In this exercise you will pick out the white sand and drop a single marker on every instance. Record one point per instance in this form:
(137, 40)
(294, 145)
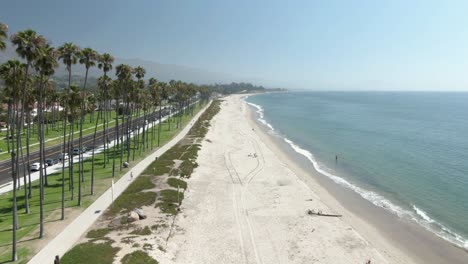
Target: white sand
(245, 209)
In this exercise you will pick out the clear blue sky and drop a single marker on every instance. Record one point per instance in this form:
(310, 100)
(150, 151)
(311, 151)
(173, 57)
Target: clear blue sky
(370, 45)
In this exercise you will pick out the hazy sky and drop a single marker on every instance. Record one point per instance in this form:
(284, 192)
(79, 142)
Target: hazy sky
(370, 45)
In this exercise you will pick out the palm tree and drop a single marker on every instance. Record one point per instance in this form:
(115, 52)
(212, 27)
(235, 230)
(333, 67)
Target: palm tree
(88, 57)
(28, 44)
(171, 91)
(105, 63)
(104, 82)
(68, 53)
(12, 73)
(164, 96)
(45, 64)
(3, 35)
(139, 74)
(147, 106)
(155, 90)
(124, 86)
(75, 102)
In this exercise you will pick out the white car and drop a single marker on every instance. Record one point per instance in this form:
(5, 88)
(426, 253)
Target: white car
(63, 156)
(36, 166)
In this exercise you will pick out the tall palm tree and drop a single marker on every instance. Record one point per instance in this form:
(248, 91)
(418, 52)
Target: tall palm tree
(146, 104)
(12, 73)
(125, 84)
(45, 64)
(68, 53)
(88, 58)
(75, 102)
(139, 73)
(3, 35)
(104, 82)
(171, 89)
(105, 64)
(155, 90)
(28, 44)
(164, 96)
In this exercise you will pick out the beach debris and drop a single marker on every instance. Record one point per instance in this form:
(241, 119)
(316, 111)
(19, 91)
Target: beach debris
(309, 200)
(319, 213)
(132, 217)
(141, 214)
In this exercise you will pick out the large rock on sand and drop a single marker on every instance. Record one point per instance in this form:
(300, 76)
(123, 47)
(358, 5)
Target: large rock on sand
(132, 217)
(140, 213)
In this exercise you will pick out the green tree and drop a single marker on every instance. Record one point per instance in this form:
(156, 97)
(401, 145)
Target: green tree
(136, 98)
(3, 35)
(105, 64)
(45, 64)
(88, 58)
(68, 53)
(28, 44)
(12, 72)
(122, 90)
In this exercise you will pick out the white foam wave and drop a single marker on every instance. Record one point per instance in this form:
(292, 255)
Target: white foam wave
(423, 214)
(420, 217)
(261, 115)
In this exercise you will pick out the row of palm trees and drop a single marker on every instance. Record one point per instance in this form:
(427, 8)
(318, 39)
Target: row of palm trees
(29, 82)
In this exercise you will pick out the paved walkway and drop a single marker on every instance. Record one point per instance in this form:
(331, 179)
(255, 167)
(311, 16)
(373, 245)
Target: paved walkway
(72, 233)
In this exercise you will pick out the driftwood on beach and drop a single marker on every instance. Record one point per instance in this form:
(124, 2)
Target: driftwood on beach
(319, 213)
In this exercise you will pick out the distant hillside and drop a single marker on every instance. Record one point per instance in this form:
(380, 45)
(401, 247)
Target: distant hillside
(162, 72)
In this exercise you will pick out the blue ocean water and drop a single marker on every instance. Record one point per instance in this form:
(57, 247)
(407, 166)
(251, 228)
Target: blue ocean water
(406, 152)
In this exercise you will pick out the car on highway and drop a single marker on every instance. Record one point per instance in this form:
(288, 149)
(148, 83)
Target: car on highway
(51, 162)
(36, 166)
(63, 156)
(77, 151)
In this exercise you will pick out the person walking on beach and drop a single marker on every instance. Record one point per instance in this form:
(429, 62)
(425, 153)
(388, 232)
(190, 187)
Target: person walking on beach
(336, 158)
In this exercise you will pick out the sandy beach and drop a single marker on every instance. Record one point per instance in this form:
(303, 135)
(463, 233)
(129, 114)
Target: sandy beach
(246, 204)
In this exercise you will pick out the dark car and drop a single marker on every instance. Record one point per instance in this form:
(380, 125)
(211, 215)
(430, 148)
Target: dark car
(51, 162)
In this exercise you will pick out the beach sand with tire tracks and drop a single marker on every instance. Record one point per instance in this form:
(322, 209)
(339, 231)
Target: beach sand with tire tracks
(245, 204)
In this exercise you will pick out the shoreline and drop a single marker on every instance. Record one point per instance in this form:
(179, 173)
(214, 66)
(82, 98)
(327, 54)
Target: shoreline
(386, 231)
(245, 204)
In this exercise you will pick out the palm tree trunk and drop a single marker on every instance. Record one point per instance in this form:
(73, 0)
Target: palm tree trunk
(80, 158)
(136, 137)
(160, 122)
(70, 150)
(9, 121)
(14, 168)
(64, 144)
(26, 196)
(40, 126)
(94, 147)
(116, 139)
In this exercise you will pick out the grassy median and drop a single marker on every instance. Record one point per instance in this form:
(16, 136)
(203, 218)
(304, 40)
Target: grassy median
(27, 234)
(140, 193)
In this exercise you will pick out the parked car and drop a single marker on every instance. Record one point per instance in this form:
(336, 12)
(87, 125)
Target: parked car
(36, 166)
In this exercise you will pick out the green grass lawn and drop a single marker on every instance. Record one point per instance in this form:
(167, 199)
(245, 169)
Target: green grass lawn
(28, 223)
(137, 195)
(55, 136)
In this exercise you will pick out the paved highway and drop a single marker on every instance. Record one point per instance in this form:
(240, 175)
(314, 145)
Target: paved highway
(54, 151)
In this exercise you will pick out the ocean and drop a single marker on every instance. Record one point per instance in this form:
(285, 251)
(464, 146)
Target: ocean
(406, 152)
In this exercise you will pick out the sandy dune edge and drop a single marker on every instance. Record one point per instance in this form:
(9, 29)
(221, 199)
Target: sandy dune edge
(245, 205)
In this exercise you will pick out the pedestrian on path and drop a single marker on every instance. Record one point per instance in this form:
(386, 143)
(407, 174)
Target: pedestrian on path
(131, 175)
